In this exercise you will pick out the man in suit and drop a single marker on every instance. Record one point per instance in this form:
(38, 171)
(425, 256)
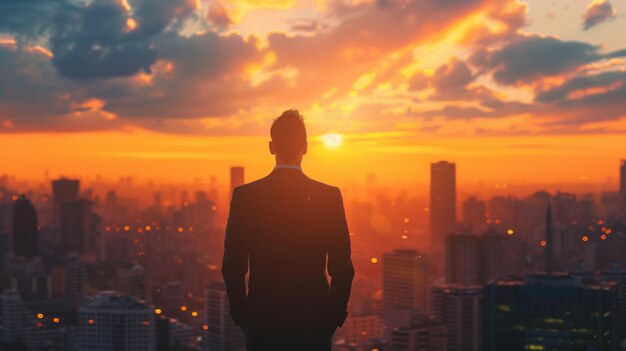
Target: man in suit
(287, 229)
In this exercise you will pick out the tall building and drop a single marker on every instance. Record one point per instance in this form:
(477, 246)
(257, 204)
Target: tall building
(460, 308)
(25, 229)
(619, 276)
(405, 280)
(65, 190)
(463, 259)
(114, 322)
(29, 278)
(236, 177)
(474, 212)
(75, 224)
(474, 259)
(74, 278)
(222, 334)
(423, 334)
(13, 316)
(549, 312)
(442, 203)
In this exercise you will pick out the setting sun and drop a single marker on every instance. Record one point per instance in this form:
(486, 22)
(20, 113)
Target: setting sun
(332, 139)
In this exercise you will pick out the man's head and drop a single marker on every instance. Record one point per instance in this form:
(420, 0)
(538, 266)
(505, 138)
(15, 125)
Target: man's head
(288, 137)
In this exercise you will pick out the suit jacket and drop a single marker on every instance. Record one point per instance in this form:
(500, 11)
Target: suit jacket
(287, 229)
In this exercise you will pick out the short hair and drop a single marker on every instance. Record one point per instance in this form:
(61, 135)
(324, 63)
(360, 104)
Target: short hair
(288, 134)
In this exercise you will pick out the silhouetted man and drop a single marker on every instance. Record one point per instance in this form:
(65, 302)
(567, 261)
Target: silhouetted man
(287, 228)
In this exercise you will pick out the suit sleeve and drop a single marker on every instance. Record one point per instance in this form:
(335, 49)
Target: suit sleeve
(340, 266)
(235, 263)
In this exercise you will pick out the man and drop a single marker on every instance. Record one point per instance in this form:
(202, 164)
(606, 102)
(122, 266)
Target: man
(288, 229)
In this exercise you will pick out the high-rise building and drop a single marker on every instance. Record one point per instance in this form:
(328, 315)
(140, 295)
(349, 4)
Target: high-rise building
(236, 177)
(474, 212)
(549, 312)
(222, 333)
(65, 190)
(74, 278)
(474, 259)
(423, 334)
(442, 203)
(619, 323)
(494, 260)
(111, 321)
(30, 279)
(13, 316)
(463, 259)
(460, 308)
(25, 229)
(405, 280)
(361, 330)
(74, 224)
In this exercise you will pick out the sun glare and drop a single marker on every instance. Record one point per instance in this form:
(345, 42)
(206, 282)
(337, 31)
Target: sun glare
(332, 139)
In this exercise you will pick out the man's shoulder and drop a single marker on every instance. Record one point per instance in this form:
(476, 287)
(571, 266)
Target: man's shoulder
(331, 189)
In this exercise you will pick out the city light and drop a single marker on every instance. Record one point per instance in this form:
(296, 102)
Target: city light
(374, 260)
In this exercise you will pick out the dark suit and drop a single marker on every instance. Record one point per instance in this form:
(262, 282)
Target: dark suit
(285, 226)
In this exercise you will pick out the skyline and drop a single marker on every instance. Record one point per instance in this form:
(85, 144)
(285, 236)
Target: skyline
(197, 87)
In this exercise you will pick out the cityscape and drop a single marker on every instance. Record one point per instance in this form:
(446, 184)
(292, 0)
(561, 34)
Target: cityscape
(88, 266)
(475, 148)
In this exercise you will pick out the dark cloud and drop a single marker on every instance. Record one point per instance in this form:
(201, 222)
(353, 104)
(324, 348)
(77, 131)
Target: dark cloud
(530, 58)
(599, 11)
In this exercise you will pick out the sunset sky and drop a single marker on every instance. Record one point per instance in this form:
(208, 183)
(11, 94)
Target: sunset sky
(512, 91)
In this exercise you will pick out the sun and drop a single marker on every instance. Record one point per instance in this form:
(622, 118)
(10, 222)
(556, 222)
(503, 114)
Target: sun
(332, 139)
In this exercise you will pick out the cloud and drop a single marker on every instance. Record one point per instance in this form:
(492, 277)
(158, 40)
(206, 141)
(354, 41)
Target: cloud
(598, 11)
(529, 58)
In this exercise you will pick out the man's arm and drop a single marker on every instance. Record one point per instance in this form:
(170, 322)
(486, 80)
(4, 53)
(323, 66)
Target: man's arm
(340, 266)
(235, 263)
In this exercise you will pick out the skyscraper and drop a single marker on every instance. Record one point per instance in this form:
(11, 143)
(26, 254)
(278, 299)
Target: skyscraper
(13, 316)
(423, 334)
(460, 308)
(63, 190)
(463, 259)
(74, 278)
(25, 229)
(74, 224)
(549, 312)
(474, 214)
(405, 280)
(442, 203)
(236, 177)
(111, 321)
(222, 334)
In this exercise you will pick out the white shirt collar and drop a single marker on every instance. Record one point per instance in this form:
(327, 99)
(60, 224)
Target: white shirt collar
(289, 166)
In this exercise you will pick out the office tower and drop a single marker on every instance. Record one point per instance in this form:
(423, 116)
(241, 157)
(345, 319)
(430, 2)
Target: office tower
(493, 260)
(405, 280)
(45, 336)
(442, 203)
(362, 330)
(548, 312)
(25, 229)
(460, 308)
(614, 274)
(222, 334)
(474, 215)
(463, 259)
(474, 259)
(30, 279)
(423, 334)
(75, 225)
(65, 190)
(131, 280)
(74, 278)
(115, 322)
(236, 177)
(13, 316)
(549, 242)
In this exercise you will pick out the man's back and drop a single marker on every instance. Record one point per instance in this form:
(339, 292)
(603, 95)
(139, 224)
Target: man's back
(286, 224)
